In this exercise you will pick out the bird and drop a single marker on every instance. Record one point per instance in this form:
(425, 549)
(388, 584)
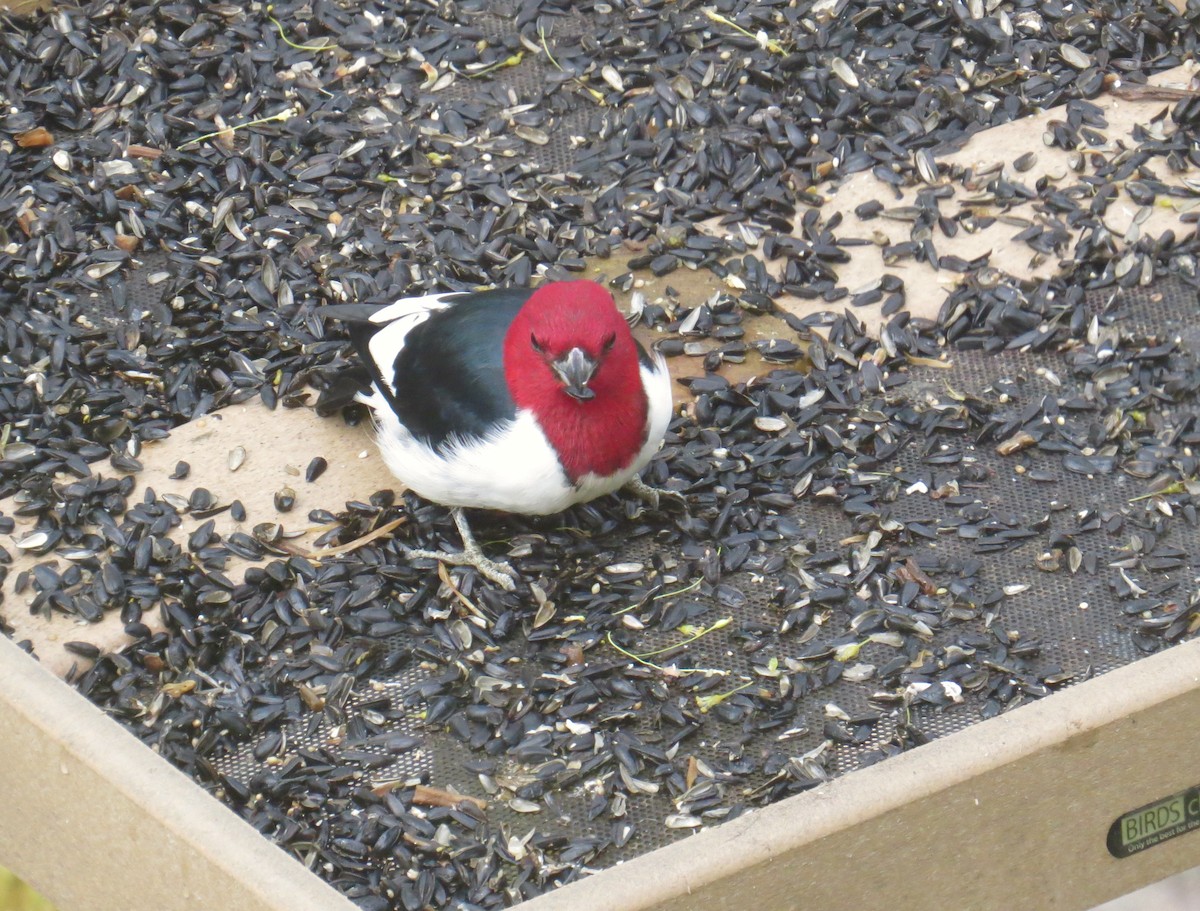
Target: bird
(519, 400)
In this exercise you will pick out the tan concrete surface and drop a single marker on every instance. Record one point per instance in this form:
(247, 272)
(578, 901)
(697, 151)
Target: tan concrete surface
(927, 288)
(278, 444)
(22, 7)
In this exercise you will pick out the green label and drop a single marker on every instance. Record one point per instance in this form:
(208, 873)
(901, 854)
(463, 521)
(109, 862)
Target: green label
(1156, 822)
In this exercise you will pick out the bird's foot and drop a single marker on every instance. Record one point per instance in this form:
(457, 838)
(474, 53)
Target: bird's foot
(653, 496)
(471, 555)
(498, 571)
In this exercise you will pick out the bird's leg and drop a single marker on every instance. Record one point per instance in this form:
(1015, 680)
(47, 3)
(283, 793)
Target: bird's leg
(652, 496)
(499, 572)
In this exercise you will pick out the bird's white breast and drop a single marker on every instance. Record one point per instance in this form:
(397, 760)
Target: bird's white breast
(513, 468)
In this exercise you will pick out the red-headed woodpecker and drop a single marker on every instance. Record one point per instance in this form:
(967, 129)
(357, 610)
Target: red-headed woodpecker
(516, 400)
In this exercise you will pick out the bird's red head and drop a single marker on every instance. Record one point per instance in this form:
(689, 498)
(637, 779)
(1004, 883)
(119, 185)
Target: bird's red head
(570, 358)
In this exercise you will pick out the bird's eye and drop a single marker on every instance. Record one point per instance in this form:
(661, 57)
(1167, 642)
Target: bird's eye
(609, 342)
(537, 346)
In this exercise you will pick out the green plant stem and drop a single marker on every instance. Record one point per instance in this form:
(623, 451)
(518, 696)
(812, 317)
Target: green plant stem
(282, 115)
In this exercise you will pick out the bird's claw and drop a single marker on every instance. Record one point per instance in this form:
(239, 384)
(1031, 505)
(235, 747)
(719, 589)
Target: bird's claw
(472, 555)
(496, 570)
(499, 572)
(653, 496)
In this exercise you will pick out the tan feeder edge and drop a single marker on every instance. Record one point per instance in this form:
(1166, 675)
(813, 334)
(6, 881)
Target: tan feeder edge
(1011, 813)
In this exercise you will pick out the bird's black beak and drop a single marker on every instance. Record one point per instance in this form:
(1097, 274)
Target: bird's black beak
(575, 369)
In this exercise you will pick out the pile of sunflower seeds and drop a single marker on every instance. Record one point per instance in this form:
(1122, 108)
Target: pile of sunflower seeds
(886, 539)
(878, 550)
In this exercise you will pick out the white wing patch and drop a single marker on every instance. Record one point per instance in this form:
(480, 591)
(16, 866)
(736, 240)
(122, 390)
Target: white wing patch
(398, 320)
(657, 382)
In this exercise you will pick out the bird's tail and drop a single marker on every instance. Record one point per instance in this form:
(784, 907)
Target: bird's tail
(351, 385)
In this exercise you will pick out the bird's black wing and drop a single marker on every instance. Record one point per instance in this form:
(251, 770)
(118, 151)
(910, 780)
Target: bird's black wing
(448, 374)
